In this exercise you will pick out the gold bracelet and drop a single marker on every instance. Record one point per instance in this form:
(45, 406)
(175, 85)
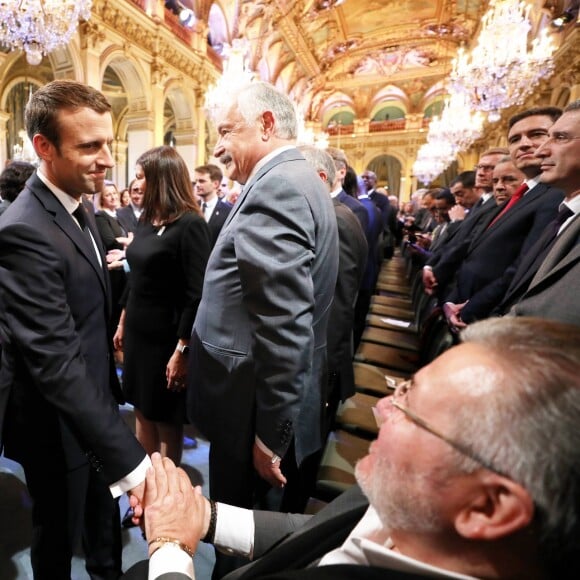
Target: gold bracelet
(165, 540)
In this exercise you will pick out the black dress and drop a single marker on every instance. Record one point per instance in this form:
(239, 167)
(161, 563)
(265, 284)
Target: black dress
(167, 268)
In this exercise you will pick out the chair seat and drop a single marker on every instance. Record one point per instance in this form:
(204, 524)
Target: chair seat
(392, 338)
(391, 301)
(393, 311)
(388, 357)
(336, 472)
(391, 323)
(356, 415)
(369, 378)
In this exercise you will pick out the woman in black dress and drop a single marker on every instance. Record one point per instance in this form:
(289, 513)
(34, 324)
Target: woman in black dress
(167, 260)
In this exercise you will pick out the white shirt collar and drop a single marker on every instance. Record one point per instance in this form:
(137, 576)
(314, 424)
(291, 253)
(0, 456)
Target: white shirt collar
(68, 201)
(369, 544)
(267, 158)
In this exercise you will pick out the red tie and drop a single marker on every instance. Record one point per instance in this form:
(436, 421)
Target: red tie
(517, 195)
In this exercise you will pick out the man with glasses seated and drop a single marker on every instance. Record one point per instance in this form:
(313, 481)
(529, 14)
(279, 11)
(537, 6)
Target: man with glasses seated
(474, 474)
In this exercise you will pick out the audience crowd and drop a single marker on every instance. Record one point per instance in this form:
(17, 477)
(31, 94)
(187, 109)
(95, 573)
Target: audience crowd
(235, 298)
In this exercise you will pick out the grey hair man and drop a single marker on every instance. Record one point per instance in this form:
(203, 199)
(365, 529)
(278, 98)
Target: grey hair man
(258, 347)
(446, 495)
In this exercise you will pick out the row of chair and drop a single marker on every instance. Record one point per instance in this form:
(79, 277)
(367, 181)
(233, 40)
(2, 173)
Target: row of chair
(405, 330)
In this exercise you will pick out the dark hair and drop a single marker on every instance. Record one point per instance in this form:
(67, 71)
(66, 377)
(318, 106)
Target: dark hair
(168, 190)
(553, 112)
(13, 178)
(446, 195)
(44, 106)
(466, 178)
(215, 173)
(350, 183)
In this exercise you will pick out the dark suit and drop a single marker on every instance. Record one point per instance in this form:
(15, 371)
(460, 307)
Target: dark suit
(286, 544)
(486, 266)
(127, 218)
(258, 349)
(357, 208)
(552, 292)
(110, 229)
(217, 219)
(447, 258)
(352, 258)
(371, 272)
(62, 418)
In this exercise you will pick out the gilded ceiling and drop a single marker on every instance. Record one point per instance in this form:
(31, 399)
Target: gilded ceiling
(351, 54)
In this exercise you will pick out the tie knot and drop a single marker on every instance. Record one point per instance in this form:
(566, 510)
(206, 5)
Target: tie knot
(203, 207)
(79, 214)
(519, 192)
(564, 213)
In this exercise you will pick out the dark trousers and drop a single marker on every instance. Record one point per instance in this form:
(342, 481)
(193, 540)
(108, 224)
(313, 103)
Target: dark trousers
(70, 509)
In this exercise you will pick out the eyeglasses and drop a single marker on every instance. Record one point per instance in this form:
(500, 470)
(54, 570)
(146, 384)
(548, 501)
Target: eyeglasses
(402, 390)
(484, 167)
(561, 138)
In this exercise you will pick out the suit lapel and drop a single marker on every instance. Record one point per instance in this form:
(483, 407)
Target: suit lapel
(564, 252)
(288, 155)
(67, 224)
(510, 216)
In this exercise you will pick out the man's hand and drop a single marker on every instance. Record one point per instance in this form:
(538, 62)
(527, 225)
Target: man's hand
(457, 213)
(429, 281)
(266, 469)
(136, 502)
(173, 508)
(453, 315)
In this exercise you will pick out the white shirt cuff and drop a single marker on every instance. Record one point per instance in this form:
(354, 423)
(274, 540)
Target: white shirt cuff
(234, 532)
(132, 480)
(170, 558)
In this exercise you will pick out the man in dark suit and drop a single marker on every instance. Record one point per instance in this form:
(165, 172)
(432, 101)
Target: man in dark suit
(447, 496)
(474, 192)
(489, 260)
(341, 165)
(129, 216)
(258, 348)
(352, 256)
(208, 180)
(62, 422)
(388, 214)
(544, 284)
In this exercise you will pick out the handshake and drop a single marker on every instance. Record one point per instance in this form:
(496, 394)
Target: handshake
(170, 510)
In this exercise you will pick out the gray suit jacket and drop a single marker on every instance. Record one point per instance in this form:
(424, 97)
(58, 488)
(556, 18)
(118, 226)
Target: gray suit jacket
(553, 291)
(258, 347)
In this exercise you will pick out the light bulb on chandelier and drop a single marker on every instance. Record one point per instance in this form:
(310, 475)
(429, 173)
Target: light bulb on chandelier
(40, 26)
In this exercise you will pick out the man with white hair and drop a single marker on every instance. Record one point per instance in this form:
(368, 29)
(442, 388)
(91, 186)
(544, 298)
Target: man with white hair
(258, 348)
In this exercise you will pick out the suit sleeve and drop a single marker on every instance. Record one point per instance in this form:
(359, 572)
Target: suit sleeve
(275, 250)
(107, 234)
(270, 528)
(44, 335)
(195, 248)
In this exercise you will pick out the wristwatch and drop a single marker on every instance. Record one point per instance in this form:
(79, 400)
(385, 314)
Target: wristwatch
(182, 348)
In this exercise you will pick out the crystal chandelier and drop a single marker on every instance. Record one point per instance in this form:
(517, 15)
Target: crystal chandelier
(458, 125)
(40, 26)
(501, 71)
(234, 76)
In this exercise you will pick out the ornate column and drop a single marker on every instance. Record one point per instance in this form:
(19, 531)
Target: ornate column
(200, 123)
(120, 170)
(91, 37)
(5, 155)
